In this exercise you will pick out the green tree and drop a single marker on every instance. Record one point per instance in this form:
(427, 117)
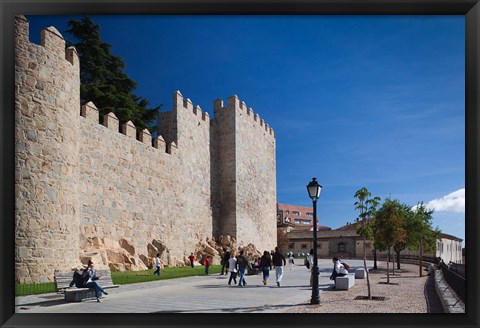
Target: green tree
(390, 222)
(368, 208)
(282, 239)
(422, 235)
(409, 226)
(103, 78)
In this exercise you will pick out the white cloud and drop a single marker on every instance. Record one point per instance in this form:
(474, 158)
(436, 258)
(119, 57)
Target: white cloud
(453, 202)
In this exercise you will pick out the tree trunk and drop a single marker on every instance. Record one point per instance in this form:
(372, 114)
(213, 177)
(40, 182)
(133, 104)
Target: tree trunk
(420, 258)
(388, 266)
(393, 265)
(398, 260)
(365, 267)
(375, 258)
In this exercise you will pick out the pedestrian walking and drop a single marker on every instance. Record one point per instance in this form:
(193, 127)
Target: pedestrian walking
(157, 265)
(291, 262)
(242, 263)
(266, 266)
(225, 259)
(191, 258)
(278, 261)
(310, 259)
(232, 268)
(207, 263)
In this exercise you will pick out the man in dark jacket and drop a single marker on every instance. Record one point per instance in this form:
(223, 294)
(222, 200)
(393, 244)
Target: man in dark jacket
(278, 261)
(226, 258)
(242, 263)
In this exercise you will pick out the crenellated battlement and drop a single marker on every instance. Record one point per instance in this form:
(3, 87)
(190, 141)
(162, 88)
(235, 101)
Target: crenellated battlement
(90, 112)
(51, 40)
(180, 104)
(240, 107)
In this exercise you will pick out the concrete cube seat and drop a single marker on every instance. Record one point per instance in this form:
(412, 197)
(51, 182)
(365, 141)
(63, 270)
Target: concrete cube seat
(346, 282)
(360, 273)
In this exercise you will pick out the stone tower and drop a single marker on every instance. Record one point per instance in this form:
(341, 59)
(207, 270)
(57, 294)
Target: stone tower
(47, 99)
(244, 170)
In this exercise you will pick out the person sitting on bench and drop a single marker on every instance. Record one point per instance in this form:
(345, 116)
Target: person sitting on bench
(338, 269)
(90, 275)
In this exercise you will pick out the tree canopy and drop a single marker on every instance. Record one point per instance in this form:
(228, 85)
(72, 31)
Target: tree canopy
(103, 78)
(367, 205)
(390, 224)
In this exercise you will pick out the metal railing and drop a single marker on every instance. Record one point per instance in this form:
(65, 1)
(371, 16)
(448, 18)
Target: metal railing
(457, 268)
(455, 281)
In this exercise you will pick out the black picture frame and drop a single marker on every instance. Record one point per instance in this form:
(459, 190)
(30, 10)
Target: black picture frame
(469, 8)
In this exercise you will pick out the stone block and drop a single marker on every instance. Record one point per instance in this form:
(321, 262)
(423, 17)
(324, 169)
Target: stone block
(346, 282)
(126, 245)
(360, 273)
(110, 120)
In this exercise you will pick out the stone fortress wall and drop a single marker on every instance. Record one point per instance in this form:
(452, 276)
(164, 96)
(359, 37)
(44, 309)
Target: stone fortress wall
(104, 191)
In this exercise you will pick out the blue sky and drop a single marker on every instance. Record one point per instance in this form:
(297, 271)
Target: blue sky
(374, 101)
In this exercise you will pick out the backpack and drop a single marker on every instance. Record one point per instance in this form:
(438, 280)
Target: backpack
(307, 263)
(345, 265)
(78, 280)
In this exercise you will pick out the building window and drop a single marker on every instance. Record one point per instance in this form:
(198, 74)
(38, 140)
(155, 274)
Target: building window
(341, 247)
(296, 213)
(304, 246)
(291, 246)
(297, 221)
(287, 211)
(309, 214)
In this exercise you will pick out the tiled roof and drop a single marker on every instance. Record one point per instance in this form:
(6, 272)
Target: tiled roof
(302, 209)
(310, 228)
(321, 234)
(447, 236)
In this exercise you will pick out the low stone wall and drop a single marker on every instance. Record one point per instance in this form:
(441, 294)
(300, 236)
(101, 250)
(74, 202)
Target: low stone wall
(451, 303)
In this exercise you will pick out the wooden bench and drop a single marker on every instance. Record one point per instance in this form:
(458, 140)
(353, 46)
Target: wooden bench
(345, 282)
(74, 294)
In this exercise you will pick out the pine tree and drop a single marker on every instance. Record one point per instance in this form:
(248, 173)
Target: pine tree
(103, 78)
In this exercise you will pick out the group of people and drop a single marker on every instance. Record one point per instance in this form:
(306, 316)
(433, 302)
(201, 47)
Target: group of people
(237, 265)
(207, 262)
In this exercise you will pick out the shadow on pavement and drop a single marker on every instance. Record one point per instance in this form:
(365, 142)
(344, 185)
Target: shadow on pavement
(434, 304)
(43, 303)
(239, 309)
(251, 286)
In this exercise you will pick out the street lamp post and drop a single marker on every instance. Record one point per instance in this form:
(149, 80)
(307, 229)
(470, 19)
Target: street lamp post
(314, 190)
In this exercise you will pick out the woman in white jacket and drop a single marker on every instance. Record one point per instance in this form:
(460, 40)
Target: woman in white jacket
(338, 269)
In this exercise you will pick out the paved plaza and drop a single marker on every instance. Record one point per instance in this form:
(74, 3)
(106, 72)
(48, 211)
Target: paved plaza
(200, 294)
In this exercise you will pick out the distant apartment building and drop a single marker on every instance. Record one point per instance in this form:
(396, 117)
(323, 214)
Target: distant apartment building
(294, 217)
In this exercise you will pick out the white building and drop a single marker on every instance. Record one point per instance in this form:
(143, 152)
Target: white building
(449, 249)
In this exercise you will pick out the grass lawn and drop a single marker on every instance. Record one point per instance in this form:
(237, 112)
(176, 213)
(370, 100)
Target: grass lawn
(130, 277)
(124, 277)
